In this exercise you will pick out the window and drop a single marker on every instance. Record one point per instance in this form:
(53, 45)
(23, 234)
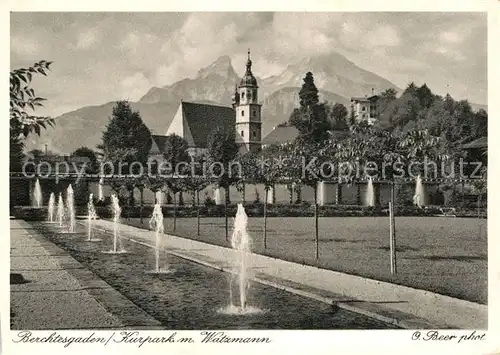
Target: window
(242, 95)
(363, 109)
(243, 134)
(254, 113)
(242, 113)
(254, 134)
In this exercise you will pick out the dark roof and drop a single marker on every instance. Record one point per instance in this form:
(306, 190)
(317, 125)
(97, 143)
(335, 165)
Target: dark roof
(478, 143)
(204, 118)
(281, 135)
(160, 142)
(365, 99)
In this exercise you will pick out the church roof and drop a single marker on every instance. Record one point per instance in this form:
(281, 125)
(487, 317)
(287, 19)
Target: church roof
(202, 119)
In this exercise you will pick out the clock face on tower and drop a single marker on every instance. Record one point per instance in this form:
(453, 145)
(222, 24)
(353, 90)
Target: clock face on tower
(249, 95)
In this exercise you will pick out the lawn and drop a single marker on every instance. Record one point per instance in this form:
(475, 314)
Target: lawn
(439, 254)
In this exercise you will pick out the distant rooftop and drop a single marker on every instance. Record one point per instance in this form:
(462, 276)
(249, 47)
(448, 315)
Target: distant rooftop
(280, 135)
(364, 98)
(478, 143)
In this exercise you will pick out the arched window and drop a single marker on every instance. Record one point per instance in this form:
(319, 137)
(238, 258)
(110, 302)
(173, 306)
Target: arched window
(243, 95)
(242, 113)
(243, 134)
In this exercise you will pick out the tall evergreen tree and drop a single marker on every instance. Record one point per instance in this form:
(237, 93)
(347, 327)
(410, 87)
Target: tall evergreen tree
(311, 118)
(308, 94)
(127, 138)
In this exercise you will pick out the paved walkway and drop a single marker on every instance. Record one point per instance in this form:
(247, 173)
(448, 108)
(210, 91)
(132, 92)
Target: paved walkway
(57, 292)
(399, 305)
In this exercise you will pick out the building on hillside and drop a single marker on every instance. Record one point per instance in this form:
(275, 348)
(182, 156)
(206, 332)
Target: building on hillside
(476, 152)
(195, 122)
(365, 108)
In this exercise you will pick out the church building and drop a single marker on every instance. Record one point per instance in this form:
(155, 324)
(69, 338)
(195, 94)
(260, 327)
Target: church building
(195, 122)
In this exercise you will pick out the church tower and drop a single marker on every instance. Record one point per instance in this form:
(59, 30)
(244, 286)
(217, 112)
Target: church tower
(248, 111)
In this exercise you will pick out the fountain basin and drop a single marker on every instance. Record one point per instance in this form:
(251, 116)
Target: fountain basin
(238, 311)
(114, 252)
(161, 271)
(194, 296)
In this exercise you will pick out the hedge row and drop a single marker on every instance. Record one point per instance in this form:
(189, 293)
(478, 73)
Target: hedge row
(252, 210)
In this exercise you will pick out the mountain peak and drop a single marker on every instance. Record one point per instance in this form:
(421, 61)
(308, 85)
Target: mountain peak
(221, 66)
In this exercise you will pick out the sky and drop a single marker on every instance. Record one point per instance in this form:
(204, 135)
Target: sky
(101, 57)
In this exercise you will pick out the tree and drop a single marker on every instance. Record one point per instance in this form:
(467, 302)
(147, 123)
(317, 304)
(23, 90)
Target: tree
(85, 152)
(36, 155)
(311, 118)
(196, 181)
(425, 96)
(22, 123)
(222, 150)
(16, 156)
(338, 116)
(308, 94)
(389, 94)
(126, 139)
(266, 167)
(480, 128)
(304, 168)
(126, 143)
(177, 157)
(22, 97)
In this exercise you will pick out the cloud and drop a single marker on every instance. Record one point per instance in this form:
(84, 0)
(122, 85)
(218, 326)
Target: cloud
(452, 37)
(100, 57)
(24, 46)
(384, 35)
(133, 87)
(453, 54)
(88, 38)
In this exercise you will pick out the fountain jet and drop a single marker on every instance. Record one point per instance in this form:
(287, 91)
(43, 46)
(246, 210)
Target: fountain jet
(51, 210)
(100, 189)
(37, 193)
(91, 216)
(240, 241)
(370, 193)
(419, 197)
(156, 223)
(70, 205)
(61, 213)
